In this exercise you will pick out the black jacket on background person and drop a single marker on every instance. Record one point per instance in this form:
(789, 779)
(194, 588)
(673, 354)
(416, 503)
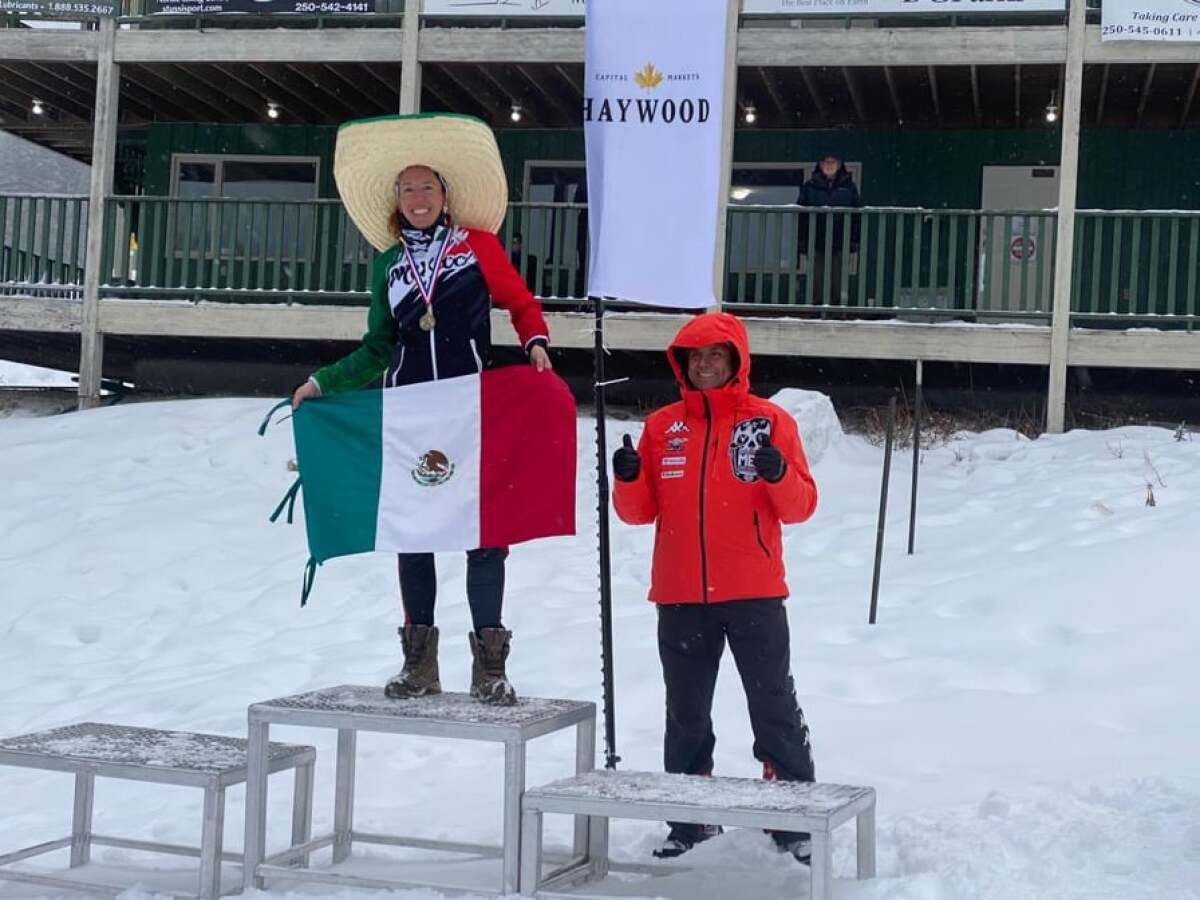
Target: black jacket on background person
(839, 191)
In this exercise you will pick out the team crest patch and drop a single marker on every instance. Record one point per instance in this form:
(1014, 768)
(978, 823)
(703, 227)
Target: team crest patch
(432, 469)
(676, 444)
(748, 436)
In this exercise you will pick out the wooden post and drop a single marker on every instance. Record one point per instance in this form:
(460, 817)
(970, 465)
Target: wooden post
(104, 152)
(1068, 182)
(410, 60)
(727, 127)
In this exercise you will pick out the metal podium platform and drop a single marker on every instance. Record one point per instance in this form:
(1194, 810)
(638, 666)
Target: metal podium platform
(208, 761)
(353, 708)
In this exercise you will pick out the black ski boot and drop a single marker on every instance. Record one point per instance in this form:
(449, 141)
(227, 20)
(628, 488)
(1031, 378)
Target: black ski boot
(683, 836)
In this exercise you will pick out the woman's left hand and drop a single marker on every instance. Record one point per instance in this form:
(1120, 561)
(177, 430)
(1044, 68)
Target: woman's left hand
(540, 359)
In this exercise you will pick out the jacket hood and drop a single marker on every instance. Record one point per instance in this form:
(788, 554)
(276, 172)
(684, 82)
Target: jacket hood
(712, 328)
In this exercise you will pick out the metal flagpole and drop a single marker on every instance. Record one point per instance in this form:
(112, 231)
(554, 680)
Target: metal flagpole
(602, 491)
(883, 492)
(918, 402)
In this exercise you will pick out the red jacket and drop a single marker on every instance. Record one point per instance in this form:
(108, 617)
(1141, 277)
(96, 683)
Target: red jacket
(717, 524)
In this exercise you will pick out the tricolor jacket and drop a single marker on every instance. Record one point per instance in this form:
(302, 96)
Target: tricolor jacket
(718, 534)
(475, 274)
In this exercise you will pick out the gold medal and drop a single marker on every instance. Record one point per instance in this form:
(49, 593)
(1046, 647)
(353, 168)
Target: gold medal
(427, 321)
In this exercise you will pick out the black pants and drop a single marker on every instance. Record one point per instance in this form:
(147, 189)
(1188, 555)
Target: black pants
(485, 586)
(691, 640)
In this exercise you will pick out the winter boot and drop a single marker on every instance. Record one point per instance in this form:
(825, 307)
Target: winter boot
(489, 683)
(797, 843)
(419, 677)
(683, 836)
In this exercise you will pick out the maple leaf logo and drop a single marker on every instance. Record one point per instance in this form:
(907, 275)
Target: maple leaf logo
(648, 77)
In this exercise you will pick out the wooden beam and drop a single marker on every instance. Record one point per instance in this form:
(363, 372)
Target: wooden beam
(291, 99)
(1104, 94)
(897, 106)
(1145, 98)
(282, 45)
(43, 45)
(366, 89)
(143, 98)
(461, 78)
(814, 92)
(570, 113)
(975, 107)
(533, 114)
(1133, 52)
(569, 78)
(244, 103)
(193, 107)
(855, 95)
(297, 79)
(20, 85)
(1191, 98)
(933, 91)
(482, 45)
(901, 46)
(786, 114)
(435, 79)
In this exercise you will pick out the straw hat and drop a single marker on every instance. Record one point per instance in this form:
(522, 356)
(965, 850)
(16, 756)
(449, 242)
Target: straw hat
(462, 149)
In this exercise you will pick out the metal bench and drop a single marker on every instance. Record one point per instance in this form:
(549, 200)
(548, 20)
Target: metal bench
(354, 708)
(784, 805)
(208, 761)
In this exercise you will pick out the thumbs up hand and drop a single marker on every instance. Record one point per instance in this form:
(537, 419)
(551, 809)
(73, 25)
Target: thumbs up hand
(769, 462)
(627, 465)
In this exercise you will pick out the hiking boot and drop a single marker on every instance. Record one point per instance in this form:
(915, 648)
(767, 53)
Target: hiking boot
(797, 843)
(489, 683)
(683, 836)
(419, 677)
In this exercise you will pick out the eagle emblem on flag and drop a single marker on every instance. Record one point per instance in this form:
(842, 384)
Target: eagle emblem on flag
(432, 469)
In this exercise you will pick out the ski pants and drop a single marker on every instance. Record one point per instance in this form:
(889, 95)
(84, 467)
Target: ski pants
(485, 586)
(691, 640)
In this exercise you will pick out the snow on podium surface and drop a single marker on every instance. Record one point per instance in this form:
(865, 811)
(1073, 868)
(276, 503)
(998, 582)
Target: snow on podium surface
(1025, 707)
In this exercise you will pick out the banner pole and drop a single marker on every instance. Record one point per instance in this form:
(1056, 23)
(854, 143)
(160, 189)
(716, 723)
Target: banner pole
(918, 401)
(883, 493)
(602, 492)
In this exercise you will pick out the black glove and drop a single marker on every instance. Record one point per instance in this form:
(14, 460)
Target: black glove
(769, 462)
(627, 465)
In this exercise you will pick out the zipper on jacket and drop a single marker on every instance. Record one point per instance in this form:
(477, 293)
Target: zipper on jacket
(475, 353)
(758, 536)
(703, 492)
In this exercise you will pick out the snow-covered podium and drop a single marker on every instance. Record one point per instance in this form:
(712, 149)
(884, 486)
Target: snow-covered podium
(352, 708)
(784, 805)
(207, 761)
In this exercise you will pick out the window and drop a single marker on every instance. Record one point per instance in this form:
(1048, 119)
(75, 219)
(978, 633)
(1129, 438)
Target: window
(269, 222)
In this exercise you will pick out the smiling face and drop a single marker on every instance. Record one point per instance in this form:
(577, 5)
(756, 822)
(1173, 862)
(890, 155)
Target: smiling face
(830, 166)
(420, 197)
(709, 367)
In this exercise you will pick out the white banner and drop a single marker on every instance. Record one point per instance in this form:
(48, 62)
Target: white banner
(653, 104)
(896, 7)
(503, 8)
(1150, 20)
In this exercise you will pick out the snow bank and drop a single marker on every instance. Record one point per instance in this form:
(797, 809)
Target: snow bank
(819, 426)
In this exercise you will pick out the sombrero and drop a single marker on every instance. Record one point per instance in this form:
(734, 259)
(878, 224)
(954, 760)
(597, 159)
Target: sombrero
(372, 152)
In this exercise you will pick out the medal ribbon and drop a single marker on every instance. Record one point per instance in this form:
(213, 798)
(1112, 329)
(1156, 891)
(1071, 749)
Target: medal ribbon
(428, 292)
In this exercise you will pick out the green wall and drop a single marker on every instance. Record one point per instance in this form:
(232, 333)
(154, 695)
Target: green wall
(1120, 168)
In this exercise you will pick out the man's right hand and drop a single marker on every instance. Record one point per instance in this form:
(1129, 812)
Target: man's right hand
(306, 391)
(627, 465)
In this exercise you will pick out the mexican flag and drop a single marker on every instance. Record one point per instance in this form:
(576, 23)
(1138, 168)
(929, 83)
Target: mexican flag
(482, 460)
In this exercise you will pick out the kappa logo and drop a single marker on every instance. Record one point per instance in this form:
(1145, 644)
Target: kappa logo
(432, 469)
(678, 427)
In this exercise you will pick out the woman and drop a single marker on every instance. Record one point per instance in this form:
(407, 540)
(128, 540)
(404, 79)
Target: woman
(429, 192)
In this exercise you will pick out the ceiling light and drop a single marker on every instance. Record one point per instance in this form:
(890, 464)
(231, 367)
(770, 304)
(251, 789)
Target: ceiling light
(1052, 109)
(38, 108)
(515, 114)
(739, 193)
(750, 114)
(272, 110)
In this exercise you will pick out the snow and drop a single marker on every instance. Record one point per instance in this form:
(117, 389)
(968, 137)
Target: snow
(19, 375)
(1025, 708)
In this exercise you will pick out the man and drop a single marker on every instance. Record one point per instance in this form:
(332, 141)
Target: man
(718, 473)
(830, 185)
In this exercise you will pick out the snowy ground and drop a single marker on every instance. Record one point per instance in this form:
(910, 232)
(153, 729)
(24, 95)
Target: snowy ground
(19, 375)
(1026, 706)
